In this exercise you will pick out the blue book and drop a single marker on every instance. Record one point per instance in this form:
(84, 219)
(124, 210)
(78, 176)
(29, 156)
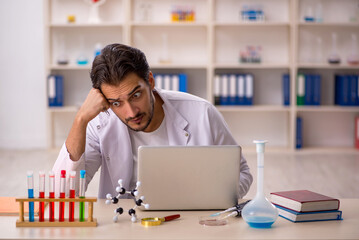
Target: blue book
(308, 216)
(224, 99)
(353, 90)
(316, 83)
(240, 89)
(233, 89)
(55, 90)
(308, 89)
(299, 137)
(249, 81)
(337, 91)
(182, 82)
(286, 89)
(357, 90)
(345, 90)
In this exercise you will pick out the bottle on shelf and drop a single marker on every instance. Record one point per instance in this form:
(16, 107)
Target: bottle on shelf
(82, 58)
(309, 16)
(98, 48)
(319, 12)
(334, 57)
(318, 54)
(353, 57)
(62, 58)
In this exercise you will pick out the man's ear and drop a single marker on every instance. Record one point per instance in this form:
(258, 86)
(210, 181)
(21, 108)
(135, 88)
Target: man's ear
(151, 80)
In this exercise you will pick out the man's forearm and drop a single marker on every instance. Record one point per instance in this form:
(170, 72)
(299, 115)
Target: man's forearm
(76, 140)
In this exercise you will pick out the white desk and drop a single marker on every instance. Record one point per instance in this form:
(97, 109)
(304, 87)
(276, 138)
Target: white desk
(187, 227)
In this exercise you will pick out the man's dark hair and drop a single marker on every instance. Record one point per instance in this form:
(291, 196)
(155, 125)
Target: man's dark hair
(115, 62)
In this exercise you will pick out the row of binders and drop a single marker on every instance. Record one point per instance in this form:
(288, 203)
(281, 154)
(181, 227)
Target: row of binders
(174, 82)
(55, 86)
(346, 90)
(233, 89)
(308, 89)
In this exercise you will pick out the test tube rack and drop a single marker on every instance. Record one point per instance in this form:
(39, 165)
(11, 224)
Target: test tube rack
(91, 222)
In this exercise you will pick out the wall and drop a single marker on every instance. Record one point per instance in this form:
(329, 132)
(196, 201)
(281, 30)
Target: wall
(22, 88)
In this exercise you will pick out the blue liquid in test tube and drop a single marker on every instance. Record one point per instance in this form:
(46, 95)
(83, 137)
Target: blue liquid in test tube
(30, 191)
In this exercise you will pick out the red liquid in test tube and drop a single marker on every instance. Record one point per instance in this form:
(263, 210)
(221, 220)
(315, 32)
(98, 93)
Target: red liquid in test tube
(62, 195)
(52, 195)
(72, 195)
(41, 195)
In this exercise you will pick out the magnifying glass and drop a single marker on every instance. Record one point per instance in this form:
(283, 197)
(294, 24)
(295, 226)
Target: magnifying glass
(157, 220)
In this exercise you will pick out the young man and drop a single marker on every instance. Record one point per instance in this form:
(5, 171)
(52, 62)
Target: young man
(124, 110)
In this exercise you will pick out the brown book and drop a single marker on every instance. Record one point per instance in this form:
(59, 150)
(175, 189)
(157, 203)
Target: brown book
(304, 201)
(9, 207)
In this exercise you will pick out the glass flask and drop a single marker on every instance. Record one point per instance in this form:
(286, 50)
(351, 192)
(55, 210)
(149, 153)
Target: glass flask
(260, 212)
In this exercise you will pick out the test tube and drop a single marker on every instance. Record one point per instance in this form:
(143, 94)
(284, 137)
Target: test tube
(52, 195)
(41, 195)
(62, 195)
(72, 195)
(30, 192)
(82, 195)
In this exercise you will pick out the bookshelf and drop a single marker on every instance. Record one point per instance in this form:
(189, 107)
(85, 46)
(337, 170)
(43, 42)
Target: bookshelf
(209, 46)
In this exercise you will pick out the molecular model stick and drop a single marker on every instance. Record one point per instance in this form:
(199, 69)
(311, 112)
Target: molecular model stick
(122, 191)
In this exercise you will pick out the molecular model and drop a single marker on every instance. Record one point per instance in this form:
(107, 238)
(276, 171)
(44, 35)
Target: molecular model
(122, 191)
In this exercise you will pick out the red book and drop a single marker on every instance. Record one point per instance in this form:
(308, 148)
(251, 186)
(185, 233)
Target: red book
(356, 133)
(304, 201)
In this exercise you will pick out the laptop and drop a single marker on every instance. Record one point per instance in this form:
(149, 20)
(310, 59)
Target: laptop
(189, 177)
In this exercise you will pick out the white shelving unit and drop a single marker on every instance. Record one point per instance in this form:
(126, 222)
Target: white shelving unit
(210, 45)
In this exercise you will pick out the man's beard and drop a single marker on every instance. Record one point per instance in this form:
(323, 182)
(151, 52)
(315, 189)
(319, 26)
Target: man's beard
(152, 102)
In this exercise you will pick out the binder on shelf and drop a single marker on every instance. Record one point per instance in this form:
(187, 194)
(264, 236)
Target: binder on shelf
(308, 89)
(174, 82)
(249, 89)
(356, 132)
(182, 82)
(300, 89)
(240, 89)
(55, 91)
(316, 83)
(345, 83)
(224, 90)
(299, 134)
(167, 82)
(286, 89)
(232, 90)
(158, 81)
(346, 90)
(217, 90)
(353, 90)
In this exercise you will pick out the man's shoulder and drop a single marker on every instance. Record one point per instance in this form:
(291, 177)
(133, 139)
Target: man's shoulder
(176, 97)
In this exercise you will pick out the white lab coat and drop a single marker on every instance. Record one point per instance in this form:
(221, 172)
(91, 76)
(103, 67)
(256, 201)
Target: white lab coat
(190, 121)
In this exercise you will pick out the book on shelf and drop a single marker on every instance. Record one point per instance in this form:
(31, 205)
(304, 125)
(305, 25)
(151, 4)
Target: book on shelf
(346, 90)
(286, 89)
(308, 89)
(300, 89)
(304, 201)
(9, 207)
(55, 90)
(299, 133)
(356, 133)
(308, 216)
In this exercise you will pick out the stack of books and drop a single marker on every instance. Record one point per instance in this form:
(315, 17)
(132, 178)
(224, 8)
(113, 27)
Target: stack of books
(306, 206)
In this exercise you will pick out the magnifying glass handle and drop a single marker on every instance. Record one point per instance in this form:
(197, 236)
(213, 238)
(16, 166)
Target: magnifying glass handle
(172, 217)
